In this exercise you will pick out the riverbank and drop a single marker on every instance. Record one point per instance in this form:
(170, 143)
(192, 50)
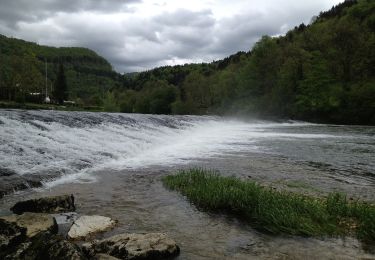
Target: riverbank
(35, 106)
(237, 115)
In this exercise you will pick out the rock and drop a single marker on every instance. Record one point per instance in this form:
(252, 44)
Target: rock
(104, 257)
(64, 222)
(62, 249)
(33, 222)
(49, 246)
(15, 244)
(135, 246)
(55, 204)
(17, 252)
(13, 240)
(86, 225)
(11, 236)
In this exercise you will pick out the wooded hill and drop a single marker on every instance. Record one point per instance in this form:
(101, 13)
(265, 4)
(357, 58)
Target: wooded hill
(22, 71)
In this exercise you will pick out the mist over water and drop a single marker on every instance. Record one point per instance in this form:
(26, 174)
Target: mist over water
(67, 146)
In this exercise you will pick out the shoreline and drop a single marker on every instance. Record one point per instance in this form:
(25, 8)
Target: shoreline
(240, 116)
(36, 106)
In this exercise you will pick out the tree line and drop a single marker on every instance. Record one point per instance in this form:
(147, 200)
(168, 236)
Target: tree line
(323, 72)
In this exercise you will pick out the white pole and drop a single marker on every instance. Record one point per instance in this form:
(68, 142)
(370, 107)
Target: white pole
(46, 81)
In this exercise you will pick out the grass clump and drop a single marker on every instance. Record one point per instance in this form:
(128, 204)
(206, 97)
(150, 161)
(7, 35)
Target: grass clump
(275, 211)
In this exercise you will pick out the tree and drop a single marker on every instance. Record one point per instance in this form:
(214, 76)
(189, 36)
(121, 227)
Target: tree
(109, 102)
(60, 90)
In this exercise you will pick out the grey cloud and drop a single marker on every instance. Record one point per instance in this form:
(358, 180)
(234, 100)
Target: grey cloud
(14, 11)
(132, 42)
(242, 31)
(183, 17)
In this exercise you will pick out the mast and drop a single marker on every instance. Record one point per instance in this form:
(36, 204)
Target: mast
(46, 81)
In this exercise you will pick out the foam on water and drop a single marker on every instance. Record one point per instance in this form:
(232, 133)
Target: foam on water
(74, 144)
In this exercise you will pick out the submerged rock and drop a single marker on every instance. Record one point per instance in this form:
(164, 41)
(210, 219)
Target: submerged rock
(11, 182)
(5, 172)
(135, 246)
(87, 225)
(64, 222)
(55, 204)
(34, 223)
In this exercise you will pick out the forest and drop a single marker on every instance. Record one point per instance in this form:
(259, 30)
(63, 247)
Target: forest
(321, 72)
(23, 72)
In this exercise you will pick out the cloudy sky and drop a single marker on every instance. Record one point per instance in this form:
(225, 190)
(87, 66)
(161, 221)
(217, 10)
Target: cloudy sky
(136, 35)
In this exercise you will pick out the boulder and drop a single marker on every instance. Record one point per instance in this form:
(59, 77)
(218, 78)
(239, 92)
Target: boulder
(55, 204)
(105, 257)
(62, 249)
(14, 244)
(11, 235)
(64, 222)
(34, 223)
(49, 246)
(87, 225)
(17, 252)
(134, 246)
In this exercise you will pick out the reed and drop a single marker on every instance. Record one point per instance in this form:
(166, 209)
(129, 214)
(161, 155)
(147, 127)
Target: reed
(275, 211)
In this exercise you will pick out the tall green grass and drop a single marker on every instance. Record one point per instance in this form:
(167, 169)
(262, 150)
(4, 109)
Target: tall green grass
(275, 211)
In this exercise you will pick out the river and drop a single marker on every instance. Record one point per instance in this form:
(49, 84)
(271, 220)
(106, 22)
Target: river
(113, 164)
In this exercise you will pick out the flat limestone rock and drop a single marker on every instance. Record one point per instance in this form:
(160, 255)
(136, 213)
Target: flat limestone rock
(56, 204)
(87, 225)
(135, 246)
(34, 223)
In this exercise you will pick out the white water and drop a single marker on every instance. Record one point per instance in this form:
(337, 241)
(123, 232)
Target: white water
(75, 144)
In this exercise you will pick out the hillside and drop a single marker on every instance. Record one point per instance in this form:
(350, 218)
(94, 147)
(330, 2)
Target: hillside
(323, 72)
(22, 71)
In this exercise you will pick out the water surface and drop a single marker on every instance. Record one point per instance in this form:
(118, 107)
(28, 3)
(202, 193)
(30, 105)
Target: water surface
(113, 163)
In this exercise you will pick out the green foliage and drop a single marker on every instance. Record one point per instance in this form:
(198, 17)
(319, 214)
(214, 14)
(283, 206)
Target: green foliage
(181, 108)
(23, 64)
(109, 103)
(275, 211)
(60, 89)
(156, 97)
(128, 100)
